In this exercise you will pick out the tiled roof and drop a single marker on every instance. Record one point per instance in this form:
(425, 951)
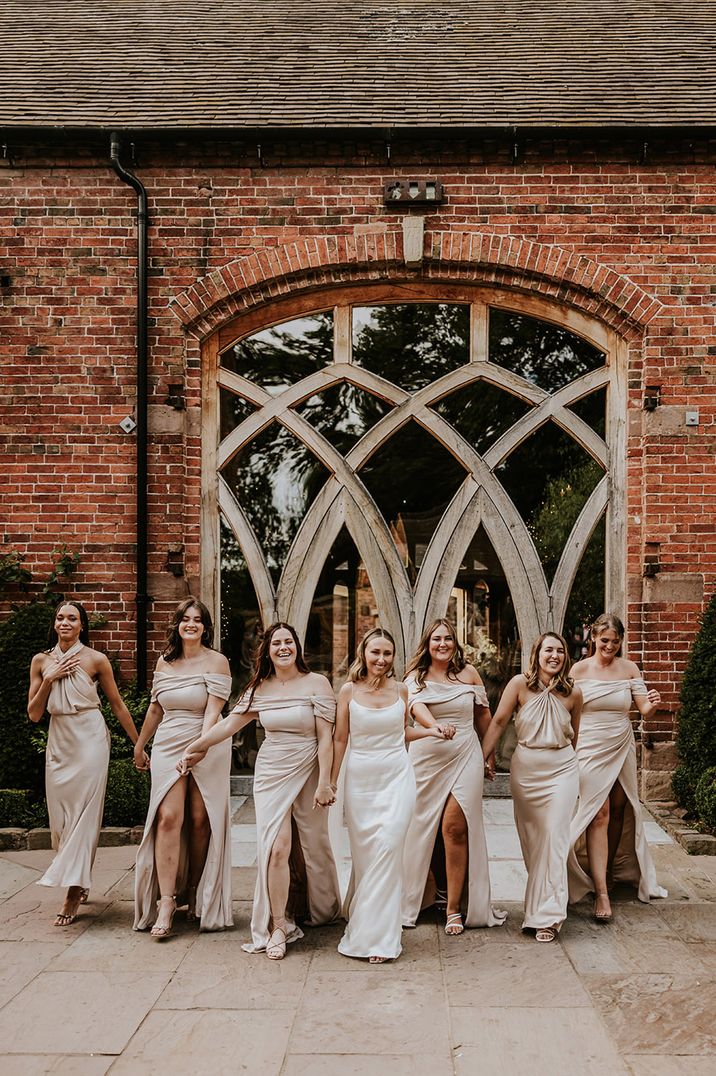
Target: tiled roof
(356, 63)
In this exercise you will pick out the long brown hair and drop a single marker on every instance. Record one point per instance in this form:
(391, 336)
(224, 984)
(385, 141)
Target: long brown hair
(420, 661)
(562, 683)
(359, 668)
(173, 649)
(263, 665)
(52, 636)
(605, 622)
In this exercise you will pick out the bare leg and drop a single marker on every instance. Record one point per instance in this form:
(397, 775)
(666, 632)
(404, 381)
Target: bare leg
(454, 828)
(199, 837)
(617, 806)
(167, 840)
(279, 879)
(597, 849)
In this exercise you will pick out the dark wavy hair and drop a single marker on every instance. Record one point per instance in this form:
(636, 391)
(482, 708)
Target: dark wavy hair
(173, 649)
(562, 683)
(604, 622)
(263, 665)
(420, 661)
(359, 668)
(52, 637)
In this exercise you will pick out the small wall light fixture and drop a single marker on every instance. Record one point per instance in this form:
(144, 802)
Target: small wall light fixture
(652, 397)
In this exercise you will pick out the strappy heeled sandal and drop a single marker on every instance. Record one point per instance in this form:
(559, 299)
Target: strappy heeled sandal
(162, 932)
(66, 919)
(545, 934)
(441, 899)
(378, 959)
(276, 950)
(454, 926)
(84, 896)
(601, 917)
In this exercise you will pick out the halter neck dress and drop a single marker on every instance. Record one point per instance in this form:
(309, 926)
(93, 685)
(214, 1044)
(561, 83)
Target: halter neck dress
(76, 761)
(544, 780)
(606, 753)
(379, 803)
(442, 768)
(183, 697)
(285, 781)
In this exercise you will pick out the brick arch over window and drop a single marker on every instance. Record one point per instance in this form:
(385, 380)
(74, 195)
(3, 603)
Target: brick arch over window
(548, 271)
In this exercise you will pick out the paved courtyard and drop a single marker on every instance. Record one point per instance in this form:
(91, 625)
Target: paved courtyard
(637, 997)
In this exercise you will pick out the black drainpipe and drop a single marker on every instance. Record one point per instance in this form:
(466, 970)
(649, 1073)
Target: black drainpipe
(142, 598)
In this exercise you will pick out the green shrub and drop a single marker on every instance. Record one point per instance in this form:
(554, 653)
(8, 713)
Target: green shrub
(683, 784)
(15, 807)
(696, 739)
(22, 635)
(127, 796)
(137, 703)
(705, 797)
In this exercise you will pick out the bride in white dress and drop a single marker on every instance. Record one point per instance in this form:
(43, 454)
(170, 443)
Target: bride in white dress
(379, 796)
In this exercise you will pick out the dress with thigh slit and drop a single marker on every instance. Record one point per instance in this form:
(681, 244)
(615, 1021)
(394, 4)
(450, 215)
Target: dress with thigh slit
(544, 780)
(379, 804)
(183, 698)
(606, 753)
(443, 768)
(285, 781)
(76, 761)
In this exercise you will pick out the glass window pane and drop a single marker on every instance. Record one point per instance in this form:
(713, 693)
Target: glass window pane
(412, 479)
(233, 410)
(411, 344)
(279, 357)
(275, 479)
(343, 610)
(587, 599)
(343, 413)
(482, 610)
(481, 412)
(240, 632)
(549, 478)
(592, 409)
(542, 353)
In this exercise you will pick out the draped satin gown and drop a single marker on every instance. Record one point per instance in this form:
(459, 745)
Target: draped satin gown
(76, 762)
(544, 780)
(183, 698)
(606, 753)
(285, 781)
(379, 804)
(442, 768)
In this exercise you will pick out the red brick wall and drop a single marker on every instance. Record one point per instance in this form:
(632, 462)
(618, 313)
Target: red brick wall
(67, 325)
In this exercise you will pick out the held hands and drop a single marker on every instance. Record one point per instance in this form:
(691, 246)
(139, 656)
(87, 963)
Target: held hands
(490, 767)
(324, 797)
(189, 759)
(141, 759)
(448, 731)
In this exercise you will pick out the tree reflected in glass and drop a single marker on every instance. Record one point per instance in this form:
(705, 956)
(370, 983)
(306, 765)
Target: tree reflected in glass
(542, 353)
(411, 344)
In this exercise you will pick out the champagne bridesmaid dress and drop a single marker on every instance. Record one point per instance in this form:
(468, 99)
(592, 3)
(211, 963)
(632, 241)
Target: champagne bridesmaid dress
(379, 803)
(544, 780)
(606, 753)
(285, 781)
(443, 767)
(76, 762)
(183, 698)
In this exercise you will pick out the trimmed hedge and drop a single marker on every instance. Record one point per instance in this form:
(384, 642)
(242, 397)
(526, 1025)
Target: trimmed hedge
(705, 797)
(696, 739)
(127, 796)
(22, 635)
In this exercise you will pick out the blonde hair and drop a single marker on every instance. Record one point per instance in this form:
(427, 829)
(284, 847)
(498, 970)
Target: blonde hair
(359, 668)
(606, 622)
(562, 683)
(421, 662)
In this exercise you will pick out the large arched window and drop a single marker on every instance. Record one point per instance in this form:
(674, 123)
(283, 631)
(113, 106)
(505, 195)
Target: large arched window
(395, 454)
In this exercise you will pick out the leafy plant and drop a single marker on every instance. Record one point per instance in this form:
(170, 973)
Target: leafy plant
(127, 797)
(705, 797)
(12, 571)
(696, 738)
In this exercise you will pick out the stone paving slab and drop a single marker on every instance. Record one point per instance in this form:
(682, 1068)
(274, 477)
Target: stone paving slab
(636, 997)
